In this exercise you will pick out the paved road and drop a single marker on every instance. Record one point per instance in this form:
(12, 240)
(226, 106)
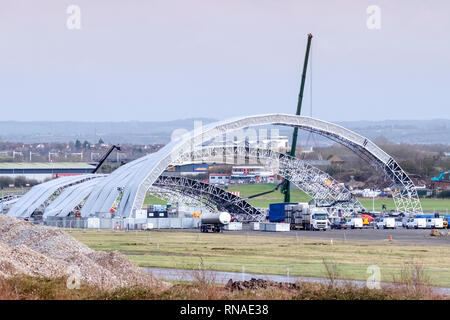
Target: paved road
(421, 237)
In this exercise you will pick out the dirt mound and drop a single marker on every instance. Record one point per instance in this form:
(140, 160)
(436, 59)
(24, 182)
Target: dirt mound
(36, 250)
(254, 284)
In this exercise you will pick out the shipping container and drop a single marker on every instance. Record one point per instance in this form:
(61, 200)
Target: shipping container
(277, 211)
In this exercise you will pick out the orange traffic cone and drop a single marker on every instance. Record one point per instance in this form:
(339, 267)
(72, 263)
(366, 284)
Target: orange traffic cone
(390, 237)
(331, 242)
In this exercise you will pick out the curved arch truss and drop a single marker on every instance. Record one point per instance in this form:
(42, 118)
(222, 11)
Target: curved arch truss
(320, 186)
(405, 195)
(240, 209)
(132, 180)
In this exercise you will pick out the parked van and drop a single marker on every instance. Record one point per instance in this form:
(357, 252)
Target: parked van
(386, 223)
(355, 223)
(416, 223)
(435, 223)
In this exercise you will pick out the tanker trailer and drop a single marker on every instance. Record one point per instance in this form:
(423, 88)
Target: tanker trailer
(214, 221)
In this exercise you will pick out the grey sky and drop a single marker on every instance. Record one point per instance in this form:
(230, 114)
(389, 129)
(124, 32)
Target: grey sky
(163, 60)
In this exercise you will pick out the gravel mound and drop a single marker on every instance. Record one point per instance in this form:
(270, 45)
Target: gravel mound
(254, 284)
(28, 249)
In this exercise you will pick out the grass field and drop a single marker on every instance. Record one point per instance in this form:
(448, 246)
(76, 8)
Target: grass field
(271, 255)
(429, 205)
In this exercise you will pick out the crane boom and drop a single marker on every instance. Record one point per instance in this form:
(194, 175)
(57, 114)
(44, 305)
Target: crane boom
(105, 155)
(286, 186)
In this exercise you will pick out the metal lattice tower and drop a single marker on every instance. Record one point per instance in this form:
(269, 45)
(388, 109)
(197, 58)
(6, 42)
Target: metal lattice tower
(240, 209)
(320, 186)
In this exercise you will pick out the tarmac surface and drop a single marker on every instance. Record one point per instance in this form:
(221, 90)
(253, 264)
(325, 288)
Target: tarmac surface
(399, 235)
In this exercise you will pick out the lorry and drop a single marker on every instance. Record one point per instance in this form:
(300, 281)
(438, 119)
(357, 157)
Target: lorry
(299, 216)
(306, 217)
(214, 221)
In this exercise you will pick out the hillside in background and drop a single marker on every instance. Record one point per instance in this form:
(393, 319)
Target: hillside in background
(159, 132)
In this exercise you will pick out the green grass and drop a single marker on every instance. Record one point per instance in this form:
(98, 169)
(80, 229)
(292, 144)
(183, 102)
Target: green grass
(271, 255)
(429, 205)
(264, 201)
(151, 199)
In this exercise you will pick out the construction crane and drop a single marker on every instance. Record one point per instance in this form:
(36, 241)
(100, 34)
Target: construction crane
(286, 187)
(103, 158)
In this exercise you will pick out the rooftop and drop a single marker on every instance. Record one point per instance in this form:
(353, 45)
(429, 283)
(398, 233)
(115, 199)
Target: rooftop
(46, 165)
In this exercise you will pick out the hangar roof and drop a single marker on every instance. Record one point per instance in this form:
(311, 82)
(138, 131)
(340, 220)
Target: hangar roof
(46, 165)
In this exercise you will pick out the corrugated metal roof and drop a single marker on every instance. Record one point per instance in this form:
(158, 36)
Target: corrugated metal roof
(46, 165)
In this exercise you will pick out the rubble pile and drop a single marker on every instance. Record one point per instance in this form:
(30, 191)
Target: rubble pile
(255, 284)
(28, 249)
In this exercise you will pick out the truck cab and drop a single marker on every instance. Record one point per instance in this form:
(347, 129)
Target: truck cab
(319, 219)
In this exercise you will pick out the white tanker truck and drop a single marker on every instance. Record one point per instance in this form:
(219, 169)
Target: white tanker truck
(214, 221)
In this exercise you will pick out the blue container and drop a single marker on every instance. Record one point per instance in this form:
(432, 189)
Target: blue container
(276, 212)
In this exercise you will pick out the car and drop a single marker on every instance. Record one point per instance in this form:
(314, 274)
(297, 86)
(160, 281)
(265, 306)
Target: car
(339, 225)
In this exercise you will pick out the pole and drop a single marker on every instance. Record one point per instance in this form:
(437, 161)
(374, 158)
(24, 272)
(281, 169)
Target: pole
(286, 187)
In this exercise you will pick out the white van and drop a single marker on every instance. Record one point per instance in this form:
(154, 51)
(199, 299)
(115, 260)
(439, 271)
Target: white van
(416, 223)
(386, 223)
(435, 223)
(355, 223)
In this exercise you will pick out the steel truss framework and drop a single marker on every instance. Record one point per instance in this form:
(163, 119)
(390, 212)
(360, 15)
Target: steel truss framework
(240, 209)
(321, 187)
(43, 194)
(405, 197)
(169, 195)
(136, 177)
(404, 193)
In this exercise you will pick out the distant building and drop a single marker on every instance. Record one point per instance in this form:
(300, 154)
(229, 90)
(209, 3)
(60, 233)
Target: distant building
(217, 178)
(187, 170)
(42, 171)
(258, 173)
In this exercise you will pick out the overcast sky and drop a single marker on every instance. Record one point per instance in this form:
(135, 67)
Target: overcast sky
(165, 59)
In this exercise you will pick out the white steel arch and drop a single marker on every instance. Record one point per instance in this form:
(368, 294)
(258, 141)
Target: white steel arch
(138, 176)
